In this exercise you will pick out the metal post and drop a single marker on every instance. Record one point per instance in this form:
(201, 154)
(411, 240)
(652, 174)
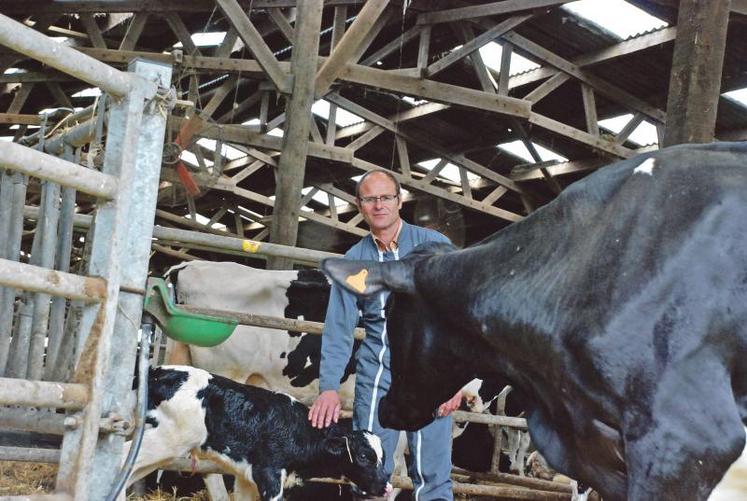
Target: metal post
(122, 235)
(12, 250)
(47, 231)
(6, 211)
(64, 250)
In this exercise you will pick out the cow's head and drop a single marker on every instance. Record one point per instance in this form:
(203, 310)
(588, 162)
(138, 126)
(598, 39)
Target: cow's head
(430, 359)
(361, 457)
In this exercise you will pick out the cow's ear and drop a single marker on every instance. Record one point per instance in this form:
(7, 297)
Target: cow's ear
(364, 278)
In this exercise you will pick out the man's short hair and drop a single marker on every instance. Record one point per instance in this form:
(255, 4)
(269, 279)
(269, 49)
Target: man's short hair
(382, 171)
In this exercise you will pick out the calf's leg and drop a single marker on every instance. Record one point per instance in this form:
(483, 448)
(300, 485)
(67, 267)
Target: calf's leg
(269, 482)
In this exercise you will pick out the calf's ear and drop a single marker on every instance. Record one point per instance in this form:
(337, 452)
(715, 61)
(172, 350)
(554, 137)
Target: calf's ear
(335, 445)
(364, 278)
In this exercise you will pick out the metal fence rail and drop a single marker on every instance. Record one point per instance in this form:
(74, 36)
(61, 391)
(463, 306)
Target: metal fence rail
(35, 163)
(37, 46)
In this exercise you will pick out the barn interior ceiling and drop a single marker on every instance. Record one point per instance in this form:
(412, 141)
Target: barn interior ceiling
(484, 110)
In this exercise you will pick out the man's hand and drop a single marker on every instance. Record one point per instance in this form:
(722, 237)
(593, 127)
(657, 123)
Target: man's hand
(450, 405)
(325, 410)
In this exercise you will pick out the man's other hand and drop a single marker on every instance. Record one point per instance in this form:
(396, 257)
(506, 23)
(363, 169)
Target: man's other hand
(326, 409)
(450, 405)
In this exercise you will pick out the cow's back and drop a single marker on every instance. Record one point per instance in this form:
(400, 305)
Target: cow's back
(276, 359)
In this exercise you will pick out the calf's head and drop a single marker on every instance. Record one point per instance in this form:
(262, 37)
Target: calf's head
(428, 360)
(361, 459)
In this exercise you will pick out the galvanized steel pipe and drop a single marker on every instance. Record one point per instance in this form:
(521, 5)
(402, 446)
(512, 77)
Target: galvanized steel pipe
(42, 394)
(216, 243)
(40, 47)
(34, 278)
(34, 163)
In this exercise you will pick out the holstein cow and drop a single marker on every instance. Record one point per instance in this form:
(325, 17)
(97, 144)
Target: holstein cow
(619, 310)
(270, 358)
(261, 436)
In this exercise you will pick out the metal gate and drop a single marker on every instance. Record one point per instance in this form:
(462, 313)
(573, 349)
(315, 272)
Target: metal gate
(68, 340)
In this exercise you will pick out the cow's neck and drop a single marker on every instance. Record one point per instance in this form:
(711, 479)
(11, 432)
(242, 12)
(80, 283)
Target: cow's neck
(501, 292)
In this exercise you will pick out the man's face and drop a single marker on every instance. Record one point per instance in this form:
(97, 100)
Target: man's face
(379, 214)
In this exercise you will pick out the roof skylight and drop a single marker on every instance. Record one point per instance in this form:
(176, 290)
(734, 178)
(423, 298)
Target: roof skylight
(413, 100)
(205, 220)
(277, 131)
(191, 158)
(322, 197)
(207, 39)
(491, 56)
(227, 150)
(518, 149)
(89, 92)
(739, 95)
(643, 135)
(449, 172)
(616, 16)
(343, 118)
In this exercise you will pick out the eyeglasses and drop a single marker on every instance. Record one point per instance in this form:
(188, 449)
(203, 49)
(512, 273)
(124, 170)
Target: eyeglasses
(385, 199)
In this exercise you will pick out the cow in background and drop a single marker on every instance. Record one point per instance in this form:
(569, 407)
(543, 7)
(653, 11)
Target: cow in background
(619, 309)
(269, 358)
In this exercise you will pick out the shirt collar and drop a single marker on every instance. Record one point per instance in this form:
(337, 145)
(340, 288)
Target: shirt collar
(393, 246)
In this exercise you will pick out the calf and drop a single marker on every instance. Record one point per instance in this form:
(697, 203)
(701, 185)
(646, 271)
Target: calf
(259, 435)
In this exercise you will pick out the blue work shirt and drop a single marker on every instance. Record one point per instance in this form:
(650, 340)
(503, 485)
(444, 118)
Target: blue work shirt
(344, 309)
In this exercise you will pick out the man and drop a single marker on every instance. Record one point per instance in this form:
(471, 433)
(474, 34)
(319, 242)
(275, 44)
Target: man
(379, 200)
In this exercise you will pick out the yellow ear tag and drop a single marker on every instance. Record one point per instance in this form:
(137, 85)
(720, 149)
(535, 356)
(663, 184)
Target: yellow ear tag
(358, 281)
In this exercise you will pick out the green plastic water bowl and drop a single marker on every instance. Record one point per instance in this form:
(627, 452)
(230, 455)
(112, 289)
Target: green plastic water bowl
(185, 326)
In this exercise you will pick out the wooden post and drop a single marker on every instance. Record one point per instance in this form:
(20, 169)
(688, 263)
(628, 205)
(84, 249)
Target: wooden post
(292, 164)
(695, 81)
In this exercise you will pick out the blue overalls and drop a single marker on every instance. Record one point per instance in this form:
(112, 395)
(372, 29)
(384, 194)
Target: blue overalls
(430, 447)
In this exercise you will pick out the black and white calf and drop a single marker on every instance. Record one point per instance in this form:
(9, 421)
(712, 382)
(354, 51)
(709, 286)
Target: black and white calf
(261, 436)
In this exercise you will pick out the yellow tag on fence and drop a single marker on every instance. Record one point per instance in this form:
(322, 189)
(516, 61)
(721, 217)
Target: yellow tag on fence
(250, 246)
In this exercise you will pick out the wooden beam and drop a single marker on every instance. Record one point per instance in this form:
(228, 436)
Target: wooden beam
(442, 193)
(134, 30)
(546, 87)
(637, 44)
(282, 23)
(490, 9)
(254, 42)
(695, 81)
(292, 164)
(159, 6)
(94, 33)
(469, 47)
(182, 33)
(15, 118)
(534, 173)
(436, 91)
(590, 109)
(348, 45)
(392, 46)
(580, 136)
(611, 91)
(423, 141)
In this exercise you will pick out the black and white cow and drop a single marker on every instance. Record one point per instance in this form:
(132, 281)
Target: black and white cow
(261, 436)
(269, 358)
(619, 310)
